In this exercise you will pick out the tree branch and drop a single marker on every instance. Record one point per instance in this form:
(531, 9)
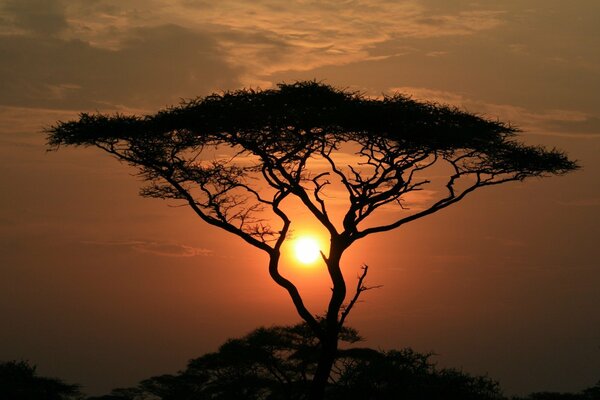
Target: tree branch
(279, 279)
(360, 287)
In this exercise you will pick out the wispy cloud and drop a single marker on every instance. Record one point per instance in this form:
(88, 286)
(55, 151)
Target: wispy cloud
(265, 36)
(165, 249)
(589, 202)
(34, 16)
(331, 33)
(20, 120)
(506, 242)
(556, 122)
(155, 65)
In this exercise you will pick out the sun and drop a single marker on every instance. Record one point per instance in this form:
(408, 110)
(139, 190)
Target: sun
(306, 250)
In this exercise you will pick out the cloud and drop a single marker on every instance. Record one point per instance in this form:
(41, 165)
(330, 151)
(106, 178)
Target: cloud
(154, 67)
(264, 36)
(165, 249)
(39, 17)
(461, 23)
(556, 122)
(23, 120)
(589, 202)
(582, 124)
(148, 54)
(506, 242)
(448, 259)
(303, 35)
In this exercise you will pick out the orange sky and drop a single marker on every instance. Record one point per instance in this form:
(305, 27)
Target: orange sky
(101, 287)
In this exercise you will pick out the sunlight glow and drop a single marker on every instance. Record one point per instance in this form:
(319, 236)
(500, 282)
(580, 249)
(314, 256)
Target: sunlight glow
(307, 250)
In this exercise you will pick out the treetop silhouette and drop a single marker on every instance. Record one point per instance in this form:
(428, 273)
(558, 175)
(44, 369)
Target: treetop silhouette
(237, 158)
(275, 363)
(19, 380)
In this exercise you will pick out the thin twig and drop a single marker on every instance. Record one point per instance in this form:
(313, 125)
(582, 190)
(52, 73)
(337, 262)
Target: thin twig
(360, 287)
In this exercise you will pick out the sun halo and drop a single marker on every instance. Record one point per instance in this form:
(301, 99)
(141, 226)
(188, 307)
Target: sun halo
(306, 250)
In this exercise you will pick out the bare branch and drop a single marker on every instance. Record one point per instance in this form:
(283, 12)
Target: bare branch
(276, 275)
(360, 287)
(318, 187)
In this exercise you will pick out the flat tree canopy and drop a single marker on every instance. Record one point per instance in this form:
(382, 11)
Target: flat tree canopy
(236, 158)
(276, 132)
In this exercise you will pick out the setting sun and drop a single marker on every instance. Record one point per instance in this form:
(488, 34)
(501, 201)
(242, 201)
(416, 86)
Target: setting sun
(307, 250)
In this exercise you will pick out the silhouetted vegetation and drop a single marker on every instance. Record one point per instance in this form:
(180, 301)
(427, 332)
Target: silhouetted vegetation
(592, 393)
(278, 363)
(20, 381)
(237, 159)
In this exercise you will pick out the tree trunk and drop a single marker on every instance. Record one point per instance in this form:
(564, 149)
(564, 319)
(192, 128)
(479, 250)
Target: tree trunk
(327, 357)
(329, 341)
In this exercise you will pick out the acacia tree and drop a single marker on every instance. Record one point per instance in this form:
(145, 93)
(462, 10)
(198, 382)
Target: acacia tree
(238, 158)
(274, 363)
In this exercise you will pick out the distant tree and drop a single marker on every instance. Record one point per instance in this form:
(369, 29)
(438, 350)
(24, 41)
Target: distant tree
(19, 381)
(238, 158)
(405, 374)
(552, 396)
(274, 363)
(591, 393)
(124, 394)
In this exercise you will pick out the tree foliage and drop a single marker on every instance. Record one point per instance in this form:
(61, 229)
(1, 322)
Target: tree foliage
(19, 381)
(277, 363)
(274, 133)
(591, 393)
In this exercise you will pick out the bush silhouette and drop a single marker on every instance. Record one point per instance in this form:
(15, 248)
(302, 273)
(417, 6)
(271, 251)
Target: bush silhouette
(19, 381)
(278, 363)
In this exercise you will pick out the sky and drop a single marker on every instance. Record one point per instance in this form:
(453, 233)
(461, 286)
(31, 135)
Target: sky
(101, 287)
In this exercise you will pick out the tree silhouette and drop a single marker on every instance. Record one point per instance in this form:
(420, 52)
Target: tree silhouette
(238, 158)
(19, 381)
(591, 393)
(274, 363)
